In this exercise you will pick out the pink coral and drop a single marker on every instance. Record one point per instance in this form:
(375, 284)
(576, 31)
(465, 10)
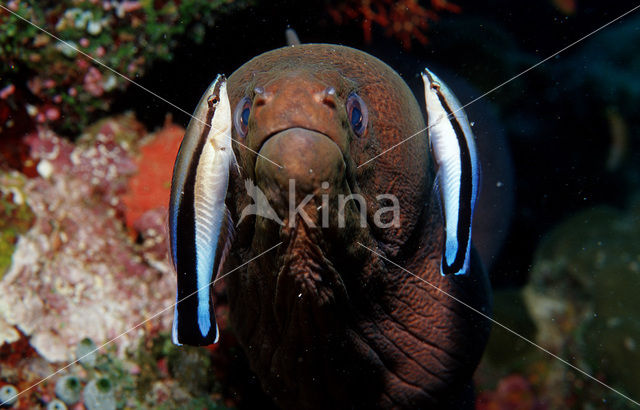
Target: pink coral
(93, 82)
(129, 6)
(52, 113)
(514, 392)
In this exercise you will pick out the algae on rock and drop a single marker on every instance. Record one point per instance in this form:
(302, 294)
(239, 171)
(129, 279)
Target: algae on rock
(76, 273)
(583, 294)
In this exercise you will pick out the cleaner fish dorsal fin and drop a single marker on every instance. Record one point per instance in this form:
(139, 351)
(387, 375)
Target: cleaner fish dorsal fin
(292, 37)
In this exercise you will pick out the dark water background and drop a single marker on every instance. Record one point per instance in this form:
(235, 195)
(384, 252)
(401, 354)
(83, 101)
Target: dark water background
(569, 136)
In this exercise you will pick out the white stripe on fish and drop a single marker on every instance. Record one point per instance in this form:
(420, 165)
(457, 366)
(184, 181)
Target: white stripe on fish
(458, 171)
(198, 216)
(212, 178)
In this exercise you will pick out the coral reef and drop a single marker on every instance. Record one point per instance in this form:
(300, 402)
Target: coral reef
(15, 215)
(56, 404)
(157, 153)
(87, 279)
(404, 20)
(582, 300)
(513, 392)
(582, 293)
(128, 36)
(86, 352)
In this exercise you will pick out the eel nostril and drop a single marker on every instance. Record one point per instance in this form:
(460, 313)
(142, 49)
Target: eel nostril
(327, 97)
(261, 97)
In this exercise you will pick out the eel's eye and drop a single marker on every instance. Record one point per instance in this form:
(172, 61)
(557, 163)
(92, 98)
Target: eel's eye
(358, 114)
(241, 116)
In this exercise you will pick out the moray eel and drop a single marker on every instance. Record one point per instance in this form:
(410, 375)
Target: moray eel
(334, 285)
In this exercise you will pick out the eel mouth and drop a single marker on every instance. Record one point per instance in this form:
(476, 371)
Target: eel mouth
(286, 129)
(305, 194)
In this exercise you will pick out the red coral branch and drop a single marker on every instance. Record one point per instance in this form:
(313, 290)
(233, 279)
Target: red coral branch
(405, 20)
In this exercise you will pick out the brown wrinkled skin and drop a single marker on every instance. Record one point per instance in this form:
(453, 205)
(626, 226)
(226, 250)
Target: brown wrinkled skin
(324, 322)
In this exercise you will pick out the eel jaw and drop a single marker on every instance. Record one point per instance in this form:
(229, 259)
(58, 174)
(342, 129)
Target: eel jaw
(305, 194)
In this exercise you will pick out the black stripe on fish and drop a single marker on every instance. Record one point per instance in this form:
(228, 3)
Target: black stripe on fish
(187, 330)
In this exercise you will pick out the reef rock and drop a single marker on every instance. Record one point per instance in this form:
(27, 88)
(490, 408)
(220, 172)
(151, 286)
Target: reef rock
(76, 273)
(582, 294)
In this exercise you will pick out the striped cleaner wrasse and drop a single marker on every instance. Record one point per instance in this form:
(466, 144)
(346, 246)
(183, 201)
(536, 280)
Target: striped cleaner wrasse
(458, 171)
(198, 217)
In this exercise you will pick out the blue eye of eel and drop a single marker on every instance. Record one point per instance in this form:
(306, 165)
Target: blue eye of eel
(245, 116)
(358, 114)
(241, 116)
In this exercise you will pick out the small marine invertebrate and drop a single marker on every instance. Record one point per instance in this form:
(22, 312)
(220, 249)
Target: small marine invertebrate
(86, 352)
(405, 20)
(56, 404)
(68, 389)
(8, 395)
(98, 395)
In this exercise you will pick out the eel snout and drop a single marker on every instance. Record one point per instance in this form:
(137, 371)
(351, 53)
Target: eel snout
(312, 182)
(308, 157)
(297, 101)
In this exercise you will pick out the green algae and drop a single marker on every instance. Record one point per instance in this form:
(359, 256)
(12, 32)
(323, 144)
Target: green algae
(16, 216)
(581, 305)
(129, 37)
(183, 376)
